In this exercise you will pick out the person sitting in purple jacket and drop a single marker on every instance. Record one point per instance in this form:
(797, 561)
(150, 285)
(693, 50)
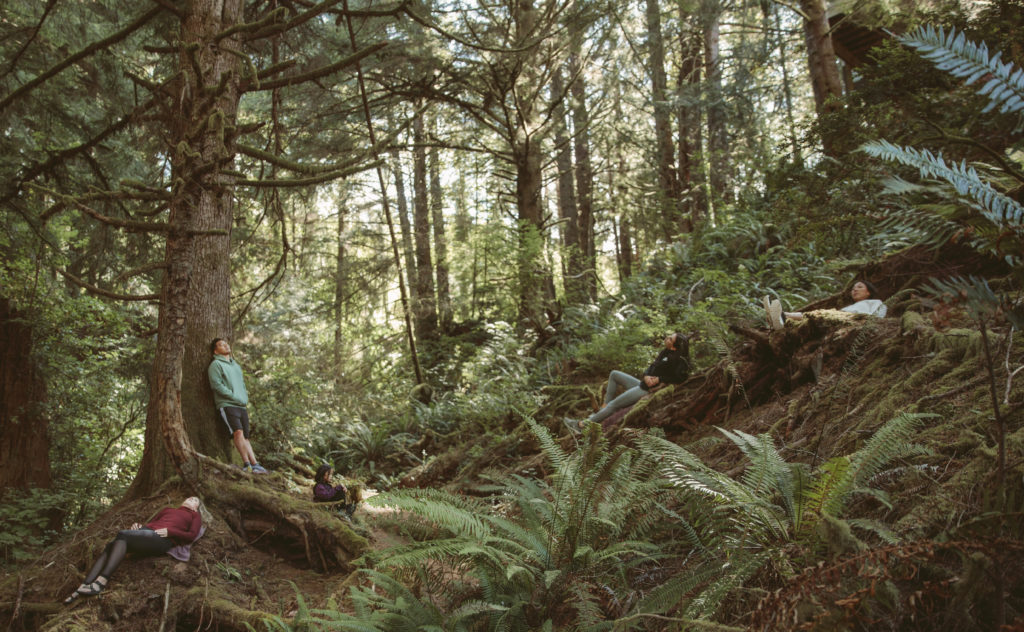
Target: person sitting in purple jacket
(325, 492)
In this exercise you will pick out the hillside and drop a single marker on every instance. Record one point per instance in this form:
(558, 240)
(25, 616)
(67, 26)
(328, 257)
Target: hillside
(928, 544)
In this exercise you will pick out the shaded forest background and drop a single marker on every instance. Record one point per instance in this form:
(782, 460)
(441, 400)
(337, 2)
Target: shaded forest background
(422, 224)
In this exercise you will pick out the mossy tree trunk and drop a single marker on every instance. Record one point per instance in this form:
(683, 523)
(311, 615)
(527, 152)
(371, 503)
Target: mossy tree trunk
(194, 304)
(24, 443)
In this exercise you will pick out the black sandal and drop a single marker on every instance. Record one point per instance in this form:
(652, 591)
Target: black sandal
(85, 590)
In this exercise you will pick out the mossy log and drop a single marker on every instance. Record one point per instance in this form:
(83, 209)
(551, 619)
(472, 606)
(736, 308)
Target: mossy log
(768, 365)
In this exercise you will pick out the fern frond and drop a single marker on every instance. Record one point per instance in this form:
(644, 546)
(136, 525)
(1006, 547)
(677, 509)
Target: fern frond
(444, 510)
(734, 574)
(962, 58)
(889, 442)
(675, 590)
(999, 208)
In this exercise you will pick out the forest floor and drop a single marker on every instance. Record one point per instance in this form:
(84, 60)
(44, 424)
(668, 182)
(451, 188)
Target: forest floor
(821, 387)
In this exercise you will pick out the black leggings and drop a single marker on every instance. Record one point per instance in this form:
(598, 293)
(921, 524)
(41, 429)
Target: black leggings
(143, 542)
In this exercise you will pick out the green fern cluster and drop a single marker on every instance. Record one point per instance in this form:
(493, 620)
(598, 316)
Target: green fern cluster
(979, 203)
(737, 526)
(542, 551)
(962, 58)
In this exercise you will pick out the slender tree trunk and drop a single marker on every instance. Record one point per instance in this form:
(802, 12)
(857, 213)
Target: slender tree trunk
(787, 90)
(340, 288)
(526, 156)
(718, 140)
(625, 239)
(668, 182)
(575, 285)
(409, 253)
(194, 295)
(444, 296)
(425, 309)
(584, 171)
(821, 62)
(689, 121)
(24, 442)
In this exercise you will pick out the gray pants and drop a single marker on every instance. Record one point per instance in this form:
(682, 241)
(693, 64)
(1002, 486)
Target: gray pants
(631, 395)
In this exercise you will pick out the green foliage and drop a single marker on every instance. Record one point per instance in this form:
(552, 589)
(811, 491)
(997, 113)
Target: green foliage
(774, 503)
(962, 58)
(27, 517)
(971, 196)
(545, 551)
(982, 303)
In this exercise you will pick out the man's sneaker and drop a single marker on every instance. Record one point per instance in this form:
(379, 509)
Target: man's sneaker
(258, 469)
(247, 468)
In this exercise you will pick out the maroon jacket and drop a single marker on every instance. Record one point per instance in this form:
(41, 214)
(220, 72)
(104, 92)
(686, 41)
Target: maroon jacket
(182, 523)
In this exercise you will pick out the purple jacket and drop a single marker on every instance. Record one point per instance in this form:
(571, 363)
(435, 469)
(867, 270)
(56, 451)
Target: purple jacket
(325, 493)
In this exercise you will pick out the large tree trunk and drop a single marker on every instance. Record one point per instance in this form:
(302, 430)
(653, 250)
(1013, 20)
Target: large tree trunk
(425, 310)
(194, 296)
(821, 61)
(668, 183)
(24, 442)
(444, 294)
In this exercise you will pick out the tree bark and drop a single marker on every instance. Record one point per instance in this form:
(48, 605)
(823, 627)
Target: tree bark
(444, 295)
(584, 170)
(425, 309)
(718, 140)
(24, 442)
(574, 284)
(526, 156)
(694, 204)
(195, 291)
(821, 62)
(340, 288)
(668, 183)
(409, 254)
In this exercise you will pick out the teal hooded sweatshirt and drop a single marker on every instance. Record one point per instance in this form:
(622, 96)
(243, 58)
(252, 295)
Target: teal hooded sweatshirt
(226, 381)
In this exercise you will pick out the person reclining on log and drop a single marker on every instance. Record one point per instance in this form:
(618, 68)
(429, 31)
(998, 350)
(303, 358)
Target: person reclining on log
(863, 293)
(672, 366)
(325, 492)
(170, 527)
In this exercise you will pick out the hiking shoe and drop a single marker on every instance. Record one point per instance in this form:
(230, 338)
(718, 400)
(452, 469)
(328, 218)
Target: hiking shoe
(247, 469)
(258, 469)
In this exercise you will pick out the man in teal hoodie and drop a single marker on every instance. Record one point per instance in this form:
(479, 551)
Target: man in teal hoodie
(230, 398)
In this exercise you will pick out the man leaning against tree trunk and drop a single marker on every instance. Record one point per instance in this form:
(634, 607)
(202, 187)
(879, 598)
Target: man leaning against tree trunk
(230, 398)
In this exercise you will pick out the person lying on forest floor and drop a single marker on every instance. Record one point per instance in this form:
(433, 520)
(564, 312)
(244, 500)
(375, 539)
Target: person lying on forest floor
(170, 528)
(865, 301)
(325, 492)
(672, 366)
